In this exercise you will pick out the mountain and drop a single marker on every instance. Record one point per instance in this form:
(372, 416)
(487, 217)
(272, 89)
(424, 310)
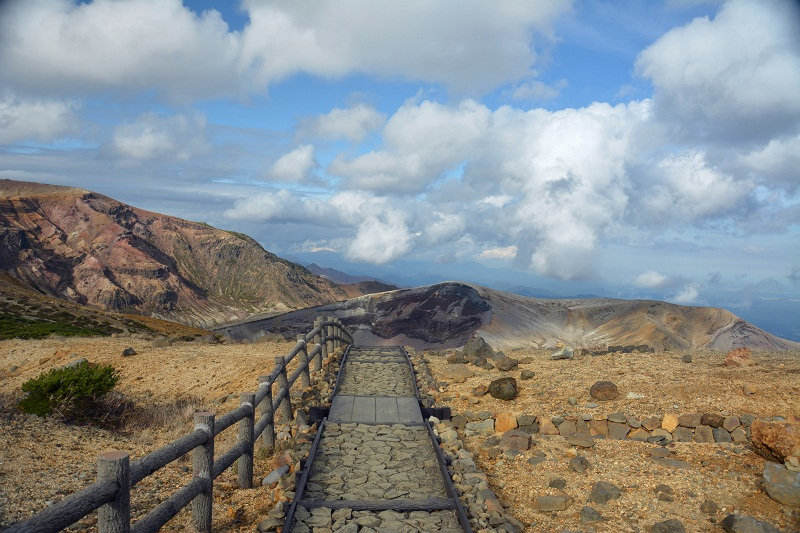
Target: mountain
(352, 285)
(446, 315)
(90, 249)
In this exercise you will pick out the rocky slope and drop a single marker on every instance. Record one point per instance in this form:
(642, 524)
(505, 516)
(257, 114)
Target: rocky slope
(447, 314)
(90, 249)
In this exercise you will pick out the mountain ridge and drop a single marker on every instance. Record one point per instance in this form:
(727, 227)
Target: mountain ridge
(93, 250)
(446, 315)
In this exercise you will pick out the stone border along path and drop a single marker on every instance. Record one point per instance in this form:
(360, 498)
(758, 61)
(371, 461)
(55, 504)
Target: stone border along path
(375, 464)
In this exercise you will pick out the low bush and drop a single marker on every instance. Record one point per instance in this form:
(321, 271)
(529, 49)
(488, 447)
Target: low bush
(73, 391)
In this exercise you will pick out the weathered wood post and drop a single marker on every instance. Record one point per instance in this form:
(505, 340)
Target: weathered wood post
(115, 516)
(268, 435)
(283, 383)
(328, 334)
(202, 466)
(246, 428)
(323, 343)
(305, 376)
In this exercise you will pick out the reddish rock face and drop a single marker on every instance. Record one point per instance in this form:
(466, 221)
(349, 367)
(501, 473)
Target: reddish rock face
(739, 357)
(776, 441)
(93, 250)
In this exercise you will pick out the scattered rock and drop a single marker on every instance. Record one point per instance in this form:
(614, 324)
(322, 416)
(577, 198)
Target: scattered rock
(738, 523)
(457, 373)
(580, 441)
(507, 364)
(273, 477)
(709, 507)
(775, 441)
(480, 390)
(579, 464)
(504, 422)
(560, 502)
(664, 493)
(589, 514)
(739, 357)
(563, 353)
(604, 391)
(673, 525)
(546, 427)
(670, 422)
(634, 396)
(515, 440)
(527, 374)
(748, 389)
(782, 484)
(127, 352)
(75, 363)
(557, 483)
(476, 349)
(503, 388)
(687, 358)
(603, 492)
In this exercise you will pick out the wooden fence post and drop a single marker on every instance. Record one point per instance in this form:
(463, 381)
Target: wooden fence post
(246, 427)
(115, 516)
(328, 342)
(323, 351)
(268, 435)
(202, 466)
(283, 383)
(305, 376)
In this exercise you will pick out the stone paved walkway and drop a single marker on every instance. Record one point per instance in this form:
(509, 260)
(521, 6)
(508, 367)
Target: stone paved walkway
(375, 468)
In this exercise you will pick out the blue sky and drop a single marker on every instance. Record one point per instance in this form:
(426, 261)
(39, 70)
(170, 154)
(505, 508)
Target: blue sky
(621, 148)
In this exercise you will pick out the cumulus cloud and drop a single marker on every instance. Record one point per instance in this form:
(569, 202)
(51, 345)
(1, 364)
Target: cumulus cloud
(380, 239)
(295, 166)
(505, 253)
(777, 162)
(652, 280)
(737, 75)
(153, 136)
(23, 119)
(687, 296)
(538, 90)
(140, 44)
(353, 123)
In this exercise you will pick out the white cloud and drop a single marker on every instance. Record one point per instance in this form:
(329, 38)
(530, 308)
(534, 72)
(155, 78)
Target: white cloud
(353, 123)
(685, 188)
(140, 44)
(538, 90)
(153, 136)
(651, 280)
(295, 166)
(687, 296)
(380, 239)
(23, 119)
(506, 253)
(132, 45)
(736, 75)
(777, 162)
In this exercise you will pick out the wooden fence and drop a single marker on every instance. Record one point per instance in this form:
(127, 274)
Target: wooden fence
(116, 474)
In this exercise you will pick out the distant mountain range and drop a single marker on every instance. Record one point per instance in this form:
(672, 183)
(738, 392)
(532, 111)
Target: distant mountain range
(446, 315)
(87, 248)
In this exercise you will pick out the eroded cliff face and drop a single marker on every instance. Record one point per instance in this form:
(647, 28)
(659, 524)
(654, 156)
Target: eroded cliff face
(93, 250)
(446, 315)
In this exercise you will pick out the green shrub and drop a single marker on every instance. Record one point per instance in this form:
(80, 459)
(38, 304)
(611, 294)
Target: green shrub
(72, 391)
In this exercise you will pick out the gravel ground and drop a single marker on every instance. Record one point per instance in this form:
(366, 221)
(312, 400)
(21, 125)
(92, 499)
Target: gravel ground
(728, 475)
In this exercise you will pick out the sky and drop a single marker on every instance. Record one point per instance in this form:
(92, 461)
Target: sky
(620, 148)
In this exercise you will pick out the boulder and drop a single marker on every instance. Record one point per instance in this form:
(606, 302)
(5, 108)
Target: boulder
(546, 427)
(503, 388)
(563, 353)
(670, 422)
(127, 352)
(776, 441)
(507, 364)
(504, 422)
(603, 492)
(604, 391)
(739, 357)
(476, 349)
(457, 373)
(673, 525)
(782, 484)
(739, 523)
(515, 439)
(560, 502)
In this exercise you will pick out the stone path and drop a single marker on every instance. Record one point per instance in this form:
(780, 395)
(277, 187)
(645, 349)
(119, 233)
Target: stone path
(374, 466)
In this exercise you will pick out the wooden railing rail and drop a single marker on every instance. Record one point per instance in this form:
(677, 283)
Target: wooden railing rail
(116, 474)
